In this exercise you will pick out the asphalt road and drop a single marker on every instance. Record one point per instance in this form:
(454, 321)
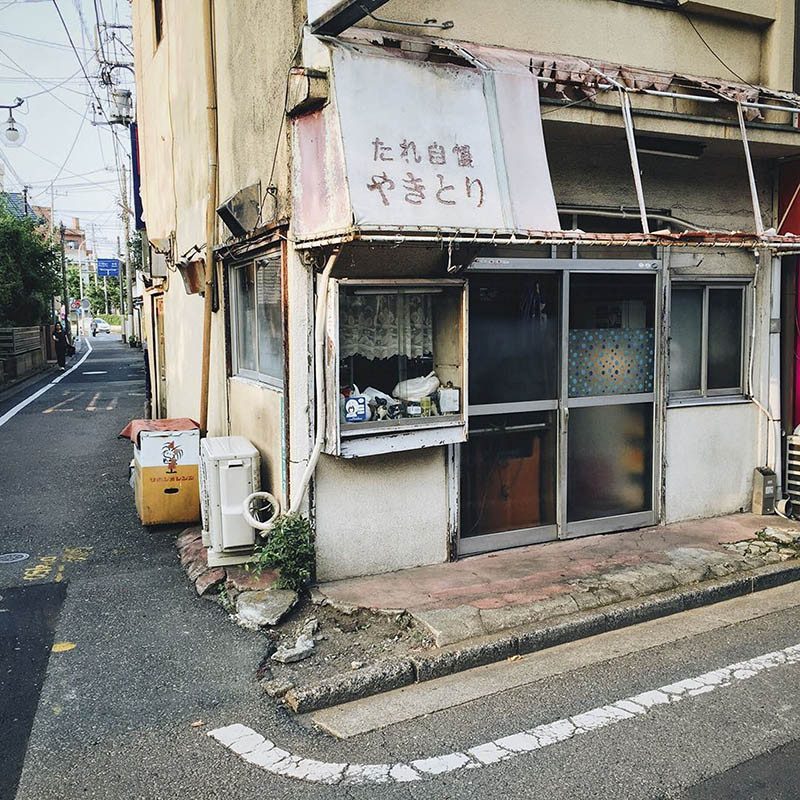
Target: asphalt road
(138, 658)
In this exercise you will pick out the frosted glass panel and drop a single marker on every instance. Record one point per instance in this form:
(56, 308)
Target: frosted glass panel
(686, 334)
(270, 322)
(724, 338)
(609, 465)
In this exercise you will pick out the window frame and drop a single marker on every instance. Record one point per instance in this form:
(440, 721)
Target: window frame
(704, 394)
(375, 438)
(233, 294)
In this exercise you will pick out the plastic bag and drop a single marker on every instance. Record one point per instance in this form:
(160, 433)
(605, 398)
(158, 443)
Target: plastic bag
(414, 389)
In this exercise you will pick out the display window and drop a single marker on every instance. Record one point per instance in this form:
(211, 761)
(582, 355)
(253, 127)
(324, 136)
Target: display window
(396, 365)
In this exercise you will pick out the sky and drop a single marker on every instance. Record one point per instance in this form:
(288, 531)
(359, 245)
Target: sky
(62, 146)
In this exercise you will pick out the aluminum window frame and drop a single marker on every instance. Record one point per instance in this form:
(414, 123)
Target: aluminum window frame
(233, 291)
(704, 395)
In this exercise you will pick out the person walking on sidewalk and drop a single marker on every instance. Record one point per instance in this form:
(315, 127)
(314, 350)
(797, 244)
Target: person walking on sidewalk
(60, 338)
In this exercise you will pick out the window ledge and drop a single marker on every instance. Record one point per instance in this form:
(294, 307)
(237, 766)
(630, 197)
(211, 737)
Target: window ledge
(722, 400)
(255, 382)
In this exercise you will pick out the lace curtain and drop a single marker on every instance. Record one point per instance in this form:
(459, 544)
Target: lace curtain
(386, 325)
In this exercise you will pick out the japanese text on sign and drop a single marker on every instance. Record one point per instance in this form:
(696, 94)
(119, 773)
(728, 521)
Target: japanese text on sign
(399, 185)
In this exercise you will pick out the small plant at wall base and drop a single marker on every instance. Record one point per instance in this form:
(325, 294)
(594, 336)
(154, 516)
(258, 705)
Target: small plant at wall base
(289, 548)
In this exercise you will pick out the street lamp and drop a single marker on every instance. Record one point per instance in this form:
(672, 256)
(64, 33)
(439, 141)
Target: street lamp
(13, 132)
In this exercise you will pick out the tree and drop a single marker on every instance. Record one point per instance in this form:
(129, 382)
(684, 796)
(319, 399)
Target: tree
(29, 270)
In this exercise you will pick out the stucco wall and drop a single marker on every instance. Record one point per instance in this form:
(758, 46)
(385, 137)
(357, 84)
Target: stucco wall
(380, 514)
(257, 414)
(711, 452)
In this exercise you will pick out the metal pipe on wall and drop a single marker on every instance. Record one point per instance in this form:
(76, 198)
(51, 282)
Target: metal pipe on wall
(211, 206)
(320, 318)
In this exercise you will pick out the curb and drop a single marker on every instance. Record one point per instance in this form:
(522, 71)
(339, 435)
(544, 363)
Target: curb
(388, 675)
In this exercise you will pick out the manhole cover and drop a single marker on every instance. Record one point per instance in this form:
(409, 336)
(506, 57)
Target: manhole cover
(11, 558)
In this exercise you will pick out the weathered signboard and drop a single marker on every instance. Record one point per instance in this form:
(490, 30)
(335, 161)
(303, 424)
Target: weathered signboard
(408, 143)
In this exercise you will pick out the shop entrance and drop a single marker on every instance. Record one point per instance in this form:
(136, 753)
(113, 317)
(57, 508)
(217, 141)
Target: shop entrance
(561, 387)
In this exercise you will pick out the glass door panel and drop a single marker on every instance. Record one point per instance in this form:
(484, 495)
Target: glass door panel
(611, 335)
(514, 332)
(609, 380)
(508, 473)
(509, 465)
(609, 461)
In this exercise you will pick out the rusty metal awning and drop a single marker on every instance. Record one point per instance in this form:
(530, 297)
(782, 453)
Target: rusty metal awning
(442, 142)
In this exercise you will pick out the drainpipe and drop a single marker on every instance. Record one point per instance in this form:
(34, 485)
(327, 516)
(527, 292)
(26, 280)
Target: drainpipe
(319, 380)
(211, 205)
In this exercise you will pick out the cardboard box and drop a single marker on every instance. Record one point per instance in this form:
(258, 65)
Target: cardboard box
(166, 484)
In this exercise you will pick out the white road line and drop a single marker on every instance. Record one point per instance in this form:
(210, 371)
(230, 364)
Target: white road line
(96, 372)
(261, 752)
(28, 400)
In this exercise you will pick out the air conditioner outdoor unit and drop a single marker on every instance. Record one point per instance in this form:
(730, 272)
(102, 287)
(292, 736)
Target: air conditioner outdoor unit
(229, 473)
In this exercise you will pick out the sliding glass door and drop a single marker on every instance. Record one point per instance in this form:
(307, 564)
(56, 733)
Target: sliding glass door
(561, 416)
(608, 402)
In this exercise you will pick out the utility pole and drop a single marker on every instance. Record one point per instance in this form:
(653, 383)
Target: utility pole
(121, 297)
(64, 282)
(94, 253)
(128, 276)
(52, 208)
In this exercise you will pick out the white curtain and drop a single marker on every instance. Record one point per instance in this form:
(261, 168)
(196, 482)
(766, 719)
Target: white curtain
(386, 325)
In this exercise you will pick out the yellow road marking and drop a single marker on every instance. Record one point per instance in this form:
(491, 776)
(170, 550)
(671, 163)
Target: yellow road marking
(47, 564)
(63, 647)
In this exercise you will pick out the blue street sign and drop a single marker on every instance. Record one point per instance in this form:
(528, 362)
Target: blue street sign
(107, 267)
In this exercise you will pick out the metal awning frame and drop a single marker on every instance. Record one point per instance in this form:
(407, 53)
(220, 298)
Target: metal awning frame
(444, 237)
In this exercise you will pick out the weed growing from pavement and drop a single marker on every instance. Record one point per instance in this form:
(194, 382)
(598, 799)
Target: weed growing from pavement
(289, 547)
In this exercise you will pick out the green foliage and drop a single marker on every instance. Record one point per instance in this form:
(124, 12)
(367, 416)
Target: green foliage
(29, 271)
(289, 548)
(111, 319)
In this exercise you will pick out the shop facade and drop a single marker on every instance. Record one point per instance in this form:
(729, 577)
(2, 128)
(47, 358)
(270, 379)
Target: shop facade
(529, 332)
(591, 378)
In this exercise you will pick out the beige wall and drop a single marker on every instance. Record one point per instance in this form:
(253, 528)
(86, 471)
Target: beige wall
(257, 414)
(380, 514)
(254, 43)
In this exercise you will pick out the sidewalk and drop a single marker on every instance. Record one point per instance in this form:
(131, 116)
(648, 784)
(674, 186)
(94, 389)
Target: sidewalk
(487, 594)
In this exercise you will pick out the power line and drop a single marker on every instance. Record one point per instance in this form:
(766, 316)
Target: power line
(43, 42)
(713, 53)
(47, 89)
(74, 50)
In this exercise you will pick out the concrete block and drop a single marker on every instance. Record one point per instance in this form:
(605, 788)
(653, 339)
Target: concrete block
(451, 625)
(265, 607)
(500, 619)
(381, 677)
(578, 627)
(447, 662)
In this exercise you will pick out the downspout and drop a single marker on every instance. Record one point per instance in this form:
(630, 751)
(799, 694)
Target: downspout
(320, 318)
(211, 206)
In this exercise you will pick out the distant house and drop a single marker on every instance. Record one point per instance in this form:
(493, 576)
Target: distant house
(20, 207)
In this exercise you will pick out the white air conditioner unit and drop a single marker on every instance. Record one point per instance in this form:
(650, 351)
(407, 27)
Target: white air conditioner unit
(229, 473)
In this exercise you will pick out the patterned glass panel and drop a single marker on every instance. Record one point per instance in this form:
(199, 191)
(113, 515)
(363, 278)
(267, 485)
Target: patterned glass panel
(606, 361)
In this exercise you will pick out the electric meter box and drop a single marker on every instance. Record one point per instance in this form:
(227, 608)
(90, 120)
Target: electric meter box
(765, 484)
(166, 485)
(229, 472)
